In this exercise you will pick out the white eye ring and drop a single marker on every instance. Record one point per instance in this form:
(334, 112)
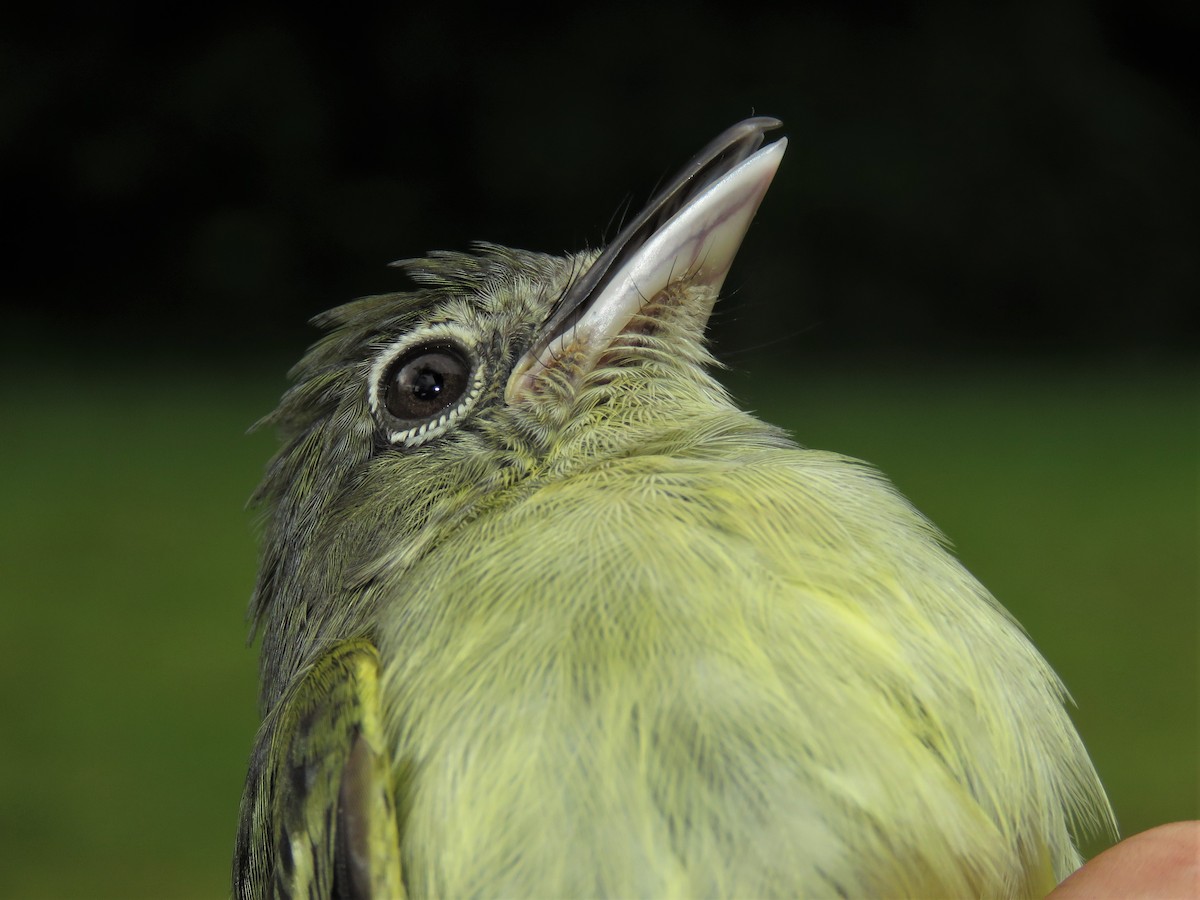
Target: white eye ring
(449, 340)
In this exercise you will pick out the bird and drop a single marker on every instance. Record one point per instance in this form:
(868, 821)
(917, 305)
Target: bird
(544, 613)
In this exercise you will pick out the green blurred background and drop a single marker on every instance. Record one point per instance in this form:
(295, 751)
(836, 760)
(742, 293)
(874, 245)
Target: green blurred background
(977, 270)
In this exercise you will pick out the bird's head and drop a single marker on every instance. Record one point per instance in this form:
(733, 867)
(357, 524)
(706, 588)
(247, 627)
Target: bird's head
(506, 369)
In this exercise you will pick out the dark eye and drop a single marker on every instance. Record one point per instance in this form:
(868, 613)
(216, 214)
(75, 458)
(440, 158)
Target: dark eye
(426, 381)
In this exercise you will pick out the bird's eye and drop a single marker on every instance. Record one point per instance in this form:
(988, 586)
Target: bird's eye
(425, 381)
(423, 384)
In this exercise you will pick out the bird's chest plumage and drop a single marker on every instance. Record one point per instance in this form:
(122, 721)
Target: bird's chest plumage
(656, 681)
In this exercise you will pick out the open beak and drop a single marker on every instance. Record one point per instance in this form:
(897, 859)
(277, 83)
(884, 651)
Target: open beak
(691, 231)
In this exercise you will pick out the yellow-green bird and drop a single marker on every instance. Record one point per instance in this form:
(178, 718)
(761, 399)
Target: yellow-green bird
(544, 614)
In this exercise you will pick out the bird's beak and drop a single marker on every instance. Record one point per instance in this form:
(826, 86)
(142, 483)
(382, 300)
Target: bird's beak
(689, 232)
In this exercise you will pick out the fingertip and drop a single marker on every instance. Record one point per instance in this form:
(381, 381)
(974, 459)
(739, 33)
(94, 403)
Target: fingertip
(1161, 863)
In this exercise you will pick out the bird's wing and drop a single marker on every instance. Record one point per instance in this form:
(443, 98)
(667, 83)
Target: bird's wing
(318, 818)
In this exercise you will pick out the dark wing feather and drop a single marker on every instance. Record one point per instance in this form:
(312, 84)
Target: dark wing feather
(318, 819)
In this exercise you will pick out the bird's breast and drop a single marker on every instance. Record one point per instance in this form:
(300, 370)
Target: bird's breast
(660, 678)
